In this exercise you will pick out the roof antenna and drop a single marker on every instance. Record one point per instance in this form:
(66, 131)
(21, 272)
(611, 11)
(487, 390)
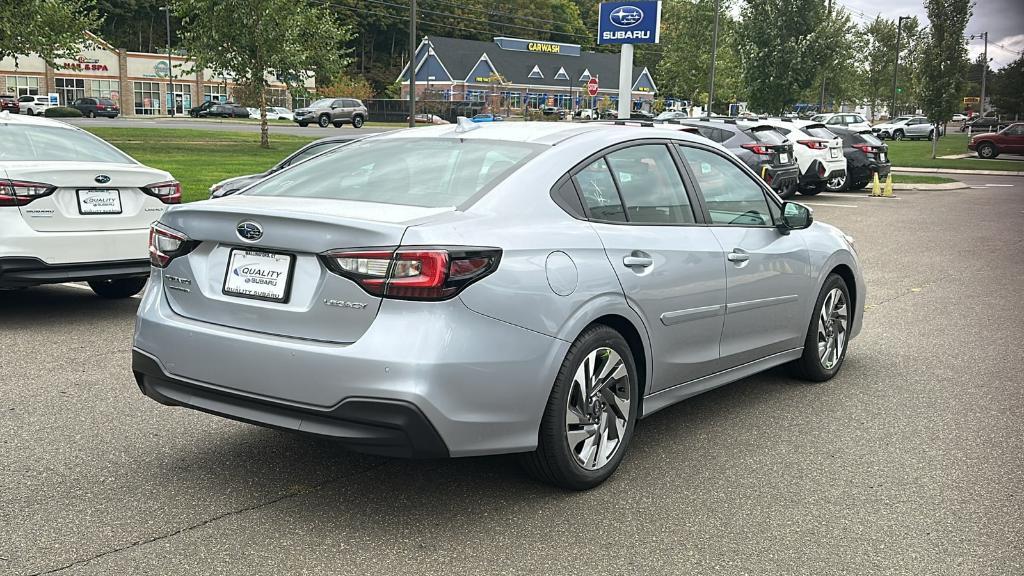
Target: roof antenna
(465, 125)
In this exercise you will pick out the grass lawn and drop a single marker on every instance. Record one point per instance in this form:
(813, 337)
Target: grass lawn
(200, 158)
(920, 179)
(918, 154)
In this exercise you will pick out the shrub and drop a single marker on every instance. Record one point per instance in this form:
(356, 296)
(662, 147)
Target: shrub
(62, 112)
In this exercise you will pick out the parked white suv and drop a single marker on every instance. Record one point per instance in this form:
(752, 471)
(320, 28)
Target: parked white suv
(34, 104)
(848, 120)
(818, 152)
(75, 208)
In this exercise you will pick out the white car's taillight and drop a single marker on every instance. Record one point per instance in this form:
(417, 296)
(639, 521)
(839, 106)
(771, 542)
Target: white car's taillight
(19, 193)
(168, 192)
(414, 273)
(814, 144)
(166, 244)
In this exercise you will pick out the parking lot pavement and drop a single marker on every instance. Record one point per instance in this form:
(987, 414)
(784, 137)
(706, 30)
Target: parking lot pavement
(909, 462)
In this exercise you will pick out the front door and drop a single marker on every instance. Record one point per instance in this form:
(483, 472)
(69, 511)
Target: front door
(767, 272)
(670, 266)
(1012, 139)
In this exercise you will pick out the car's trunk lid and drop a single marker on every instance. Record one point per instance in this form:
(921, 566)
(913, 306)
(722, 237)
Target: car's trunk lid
(298, 297)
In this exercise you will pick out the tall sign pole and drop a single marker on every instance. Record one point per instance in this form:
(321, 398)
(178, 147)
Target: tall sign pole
(412, 64)
(628, 23)
(714, 55)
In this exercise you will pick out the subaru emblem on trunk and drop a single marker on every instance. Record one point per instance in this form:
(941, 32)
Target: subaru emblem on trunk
(102, 179)
(250, 231)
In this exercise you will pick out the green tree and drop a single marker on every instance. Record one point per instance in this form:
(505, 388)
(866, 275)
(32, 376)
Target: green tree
(50, 28)
(840, 65)
(780, 42)
(254, 40)
(943, 69)
(1007, 89)
(686, 35)
(880, 37)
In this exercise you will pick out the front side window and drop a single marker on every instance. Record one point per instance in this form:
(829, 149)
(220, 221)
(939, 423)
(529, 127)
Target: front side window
(732, 197)
(427, 172)
(1014, 130)
(43, 143)
(650, 185)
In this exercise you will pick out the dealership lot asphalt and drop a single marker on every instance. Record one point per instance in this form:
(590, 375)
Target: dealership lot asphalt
(910, 462)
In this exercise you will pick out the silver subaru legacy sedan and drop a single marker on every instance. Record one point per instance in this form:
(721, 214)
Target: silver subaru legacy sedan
(482, 289)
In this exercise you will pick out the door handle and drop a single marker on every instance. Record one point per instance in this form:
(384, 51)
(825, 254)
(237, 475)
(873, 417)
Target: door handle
(641, 261)
(738, 256)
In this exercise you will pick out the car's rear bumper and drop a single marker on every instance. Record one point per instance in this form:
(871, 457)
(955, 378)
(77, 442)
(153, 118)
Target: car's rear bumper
(22, 272)
(819, 172)
(782, 179)
(371, 425)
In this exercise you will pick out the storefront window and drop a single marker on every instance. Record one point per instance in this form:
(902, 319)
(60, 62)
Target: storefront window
(147, 98)
(23, 85)
(106, 89)
(512, 99)
(70, 89)
(182, 99)
(278, 97)
(215, 92)
(475, 95)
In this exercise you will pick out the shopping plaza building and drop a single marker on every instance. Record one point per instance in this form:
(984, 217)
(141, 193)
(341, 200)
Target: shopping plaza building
(516, 73)
(138, 81)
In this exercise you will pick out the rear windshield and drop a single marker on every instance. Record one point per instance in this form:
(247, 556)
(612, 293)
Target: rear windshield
(427, 172)
(869, 138)
(106, 101)
(819, 132)
(33, 142)
(767, 135)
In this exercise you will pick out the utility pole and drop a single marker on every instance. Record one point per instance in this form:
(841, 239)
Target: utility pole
(821, 101)
(896, 65)
(170, 71)
(984, 69)
(412, 64)
(714, 56)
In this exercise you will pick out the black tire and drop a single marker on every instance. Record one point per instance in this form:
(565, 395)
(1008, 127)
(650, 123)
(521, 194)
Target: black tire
(338, 124)
(987, 150)
(29, 112)
(810, 365)
(119, 288)
(812, 190)
(303, 124)
(554, 462)
(323, 121)
(787, 192)
(91, 114)
(858, 185)
(898, 135)
(357, 121)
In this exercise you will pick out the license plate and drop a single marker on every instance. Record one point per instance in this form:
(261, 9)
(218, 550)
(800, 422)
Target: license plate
(99, 201)
(834, 152)
(783, 158)
(259, 275)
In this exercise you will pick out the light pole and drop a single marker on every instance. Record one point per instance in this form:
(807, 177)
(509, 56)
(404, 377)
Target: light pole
(412, 64)
(984, 69)
(170, 71)
(714, 55)
(896, 65)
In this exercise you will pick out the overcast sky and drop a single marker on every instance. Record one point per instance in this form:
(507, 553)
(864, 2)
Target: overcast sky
(1002, 19)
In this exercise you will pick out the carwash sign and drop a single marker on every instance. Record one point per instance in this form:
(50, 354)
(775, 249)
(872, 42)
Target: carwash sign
(629, 23)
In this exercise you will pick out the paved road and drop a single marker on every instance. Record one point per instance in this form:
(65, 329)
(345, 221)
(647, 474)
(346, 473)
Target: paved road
(222, 125)
(911, 461)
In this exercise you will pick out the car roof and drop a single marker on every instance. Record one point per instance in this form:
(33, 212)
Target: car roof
(549, 133)
(8, 118)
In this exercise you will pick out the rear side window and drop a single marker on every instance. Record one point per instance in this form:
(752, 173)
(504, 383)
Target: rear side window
(600, 195)
(427, 172)
(650, 185)
(869, 138)
(767, 136)
(21, 142)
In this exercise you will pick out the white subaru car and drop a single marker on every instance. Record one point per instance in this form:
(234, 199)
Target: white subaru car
(75, 208)
(818, 151)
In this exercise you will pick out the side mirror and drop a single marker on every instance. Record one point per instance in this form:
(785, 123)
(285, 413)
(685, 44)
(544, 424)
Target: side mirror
(795, 216)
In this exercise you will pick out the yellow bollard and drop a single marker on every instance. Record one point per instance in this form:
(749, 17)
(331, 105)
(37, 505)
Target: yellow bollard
(876, 189)
(888, 186)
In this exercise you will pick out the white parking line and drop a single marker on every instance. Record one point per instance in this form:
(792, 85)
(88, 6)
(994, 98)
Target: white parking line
(999, 185)
(829, 204)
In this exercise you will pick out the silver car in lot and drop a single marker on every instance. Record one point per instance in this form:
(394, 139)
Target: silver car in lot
(480, 289)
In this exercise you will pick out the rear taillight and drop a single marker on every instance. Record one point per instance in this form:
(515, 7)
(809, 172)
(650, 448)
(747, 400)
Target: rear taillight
(101, 107)
(414, 273)
(166, 244)
(19, 193)
(758, 149)
(167, 192)
(865, 148)
(814, 144)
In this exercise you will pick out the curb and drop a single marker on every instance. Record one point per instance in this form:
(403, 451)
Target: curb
(946, 186)
(957, 171)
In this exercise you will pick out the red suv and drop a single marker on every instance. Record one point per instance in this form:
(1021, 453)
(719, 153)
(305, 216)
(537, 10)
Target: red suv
(9, 103)
(991, 144)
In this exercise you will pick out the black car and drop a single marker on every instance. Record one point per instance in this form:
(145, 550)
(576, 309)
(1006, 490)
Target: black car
(865, 156)
(552, 111)
(761, 147)
(225, 110)
(93, 107)
(232, 185)
(9, 103)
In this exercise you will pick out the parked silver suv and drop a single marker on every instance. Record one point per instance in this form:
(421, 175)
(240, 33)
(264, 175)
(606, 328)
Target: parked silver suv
(337, 111)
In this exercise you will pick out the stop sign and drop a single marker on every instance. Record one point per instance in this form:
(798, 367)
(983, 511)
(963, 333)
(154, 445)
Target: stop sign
(592, 87)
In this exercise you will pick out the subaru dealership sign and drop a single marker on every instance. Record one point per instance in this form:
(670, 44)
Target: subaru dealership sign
(629, 23)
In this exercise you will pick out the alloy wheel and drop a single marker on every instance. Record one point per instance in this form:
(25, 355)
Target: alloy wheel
(836, 182)
(832, 326)
(597, 408)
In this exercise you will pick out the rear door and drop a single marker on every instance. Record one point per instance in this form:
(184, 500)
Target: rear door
(670, 266)
(768, 273)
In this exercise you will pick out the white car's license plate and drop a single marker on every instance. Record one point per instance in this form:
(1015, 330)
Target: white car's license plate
(783, 158)
(99, 201)
(834, 152)
(259, 275)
